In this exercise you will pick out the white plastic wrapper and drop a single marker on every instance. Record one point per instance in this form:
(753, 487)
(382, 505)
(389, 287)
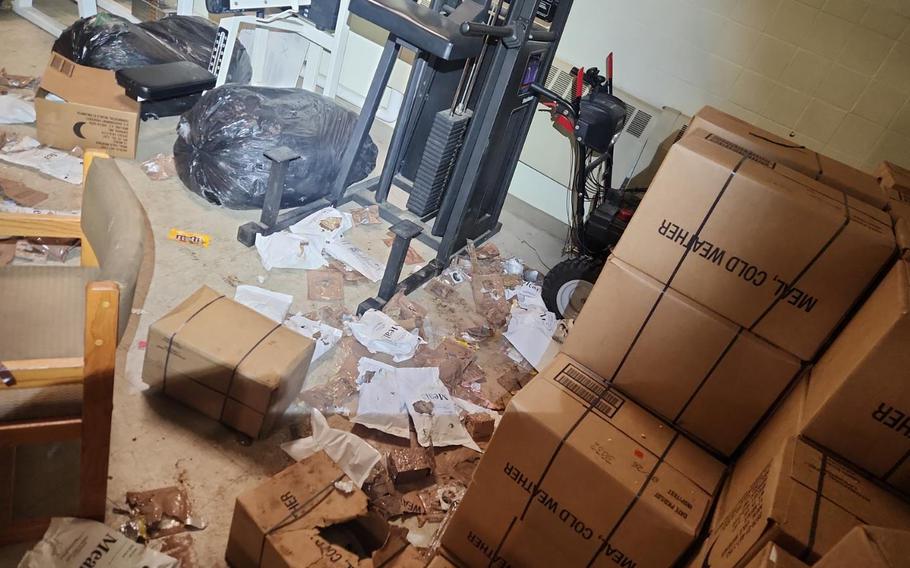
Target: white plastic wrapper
(356, 258)
(74, 543)
(15, 110)
(273, 305)
(350, 452)
(287, 250)
(324, 335)
(56, 163)
(392, 395)
(380, 334)
(326, 224)
(532, 326)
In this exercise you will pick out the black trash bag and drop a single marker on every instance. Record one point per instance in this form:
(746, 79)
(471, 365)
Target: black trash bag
(221, 142)
(193, 37)
(106, 41)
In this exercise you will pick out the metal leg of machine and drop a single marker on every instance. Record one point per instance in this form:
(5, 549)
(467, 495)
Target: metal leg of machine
(281, 159)
(404, 231)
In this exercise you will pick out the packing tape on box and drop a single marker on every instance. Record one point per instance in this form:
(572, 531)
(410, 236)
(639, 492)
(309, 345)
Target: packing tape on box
(592, 404)
(170, 344)
(816, 507)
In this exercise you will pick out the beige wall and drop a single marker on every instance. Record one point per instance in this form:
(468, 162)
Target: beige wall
(833, 74)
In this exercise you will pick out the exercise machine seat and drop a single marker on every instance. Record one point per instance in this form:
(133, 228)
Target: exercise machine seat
(164, 81)
(425, 29)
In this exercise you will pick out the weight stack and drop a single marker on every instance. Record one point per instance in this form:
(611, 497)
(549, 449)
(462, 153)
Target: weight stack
(443, 144)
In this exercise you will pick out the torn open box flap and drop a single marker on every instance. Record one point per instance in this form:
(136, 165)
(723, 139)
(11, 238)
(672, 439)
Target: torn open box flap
(76, 83)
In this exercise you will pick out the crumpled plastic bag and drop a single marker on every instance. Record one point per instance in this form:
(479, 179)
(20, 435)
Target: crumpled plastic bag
(106, 41)
(222, 140)
(380, 334)
(68, 539)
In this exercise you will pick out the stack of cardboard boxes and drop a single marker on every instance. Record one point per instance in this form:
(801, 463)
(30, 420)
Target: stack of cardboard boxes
(653, 439)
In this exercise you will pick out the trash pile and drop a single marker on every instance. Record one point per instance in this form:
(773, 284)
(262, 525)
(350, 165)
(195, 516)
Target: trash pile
(17, 93)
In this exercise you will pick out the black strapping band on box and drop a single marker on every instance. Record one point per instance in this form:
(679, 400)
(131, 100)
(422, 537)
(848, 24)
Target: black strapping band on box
(816, 507)
(641, 490)
(227, 392)
(170, 341)
(535, 491)
(897, 465)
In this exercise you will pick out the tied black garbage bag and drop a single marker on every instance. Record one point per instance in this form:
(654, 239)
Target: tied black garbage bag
(106, 41)
(221, 142)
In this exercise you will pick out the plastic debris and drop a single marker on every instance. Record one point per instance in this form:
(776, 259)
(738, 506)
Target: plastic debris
(160, 167)
(351, 454)
(67, 538)
(324, 335)
(325, 285)
(366, 215)
(287, 250)
(380, 334)
(326, 225)
(273, 305)
(409, 465)
(189, 237)
(532, 326)
(159, 512)
(14, 109)
(17, 81)
(356, 258)
(30, 153)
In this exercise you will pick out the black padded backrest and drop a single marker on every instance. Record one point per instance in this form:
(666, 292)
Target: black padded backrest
(422, 27)
(165, 80)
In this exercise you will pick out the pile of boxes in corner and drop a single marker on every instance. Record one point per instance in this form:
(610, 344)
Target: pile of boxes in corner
(736, 390)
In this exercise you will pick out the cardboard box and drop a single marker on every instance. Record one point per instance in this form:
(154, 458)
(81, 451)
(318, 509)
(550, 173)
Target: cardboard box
(680, 360)
(576, 474)
(773, 556)
(858, 400)
(96, 113)
(869, 547)
(227, 361)
(299, 518)
(894, 179)
(796, 496)
(853, 182)
(775, 252)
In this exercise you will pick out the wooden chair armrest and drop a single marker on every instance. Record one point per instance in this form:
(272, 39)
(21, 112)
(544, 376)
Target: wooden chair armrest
(34, 225)
(34, 373)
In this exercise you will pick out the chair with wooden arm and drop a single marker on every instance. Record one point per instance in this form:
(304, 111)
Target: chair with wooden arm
(59, 328)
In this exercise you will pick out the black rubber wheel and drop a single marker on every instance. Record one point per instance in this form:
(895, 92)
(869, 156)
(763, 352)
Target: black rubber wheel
(568, 284)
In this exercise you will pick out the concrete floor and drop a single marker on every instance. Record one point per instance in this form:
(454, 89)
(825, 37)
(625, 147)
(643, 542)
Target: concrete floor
(157, 442)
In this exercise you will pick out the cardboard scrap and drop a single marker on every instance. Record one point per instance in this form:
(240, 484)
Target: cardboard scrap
(366, 215)
(20, 193)
(325, 285)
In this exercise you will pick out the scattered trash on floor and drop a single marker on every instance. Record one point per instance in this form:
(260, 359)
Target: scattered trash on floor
(366, 215)
(287, 250)
(531, 326)
(411, 257)
(355, 257)
(20, 193)
(14, 109)
(355, 457)
(158, 512)
(380, 334)
(160, 167)
(17, 81)
(325, 285)
(30, 153)
(67, 538)
(189, 237)
(273, 305)
(324, 335)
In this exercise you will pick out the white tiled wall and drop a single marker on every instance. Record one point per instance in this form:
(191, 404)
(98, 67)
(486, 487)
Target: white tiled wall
(832, 74)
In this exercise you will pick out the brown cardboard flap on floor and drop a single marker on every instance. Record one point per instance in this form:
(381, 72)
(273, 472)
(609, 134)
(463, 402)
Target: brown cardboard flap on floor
(694, 368)
(96, 113)
(773, 556)
(576, 474)
(894, 178)
(802, 499)
(227, 361)
(869, 547)
(853, 182)
(858, 399)
(773, 251)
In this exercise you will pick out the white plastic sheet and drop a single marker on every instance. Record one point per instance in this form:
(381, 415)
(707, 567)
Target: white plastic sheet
(287, 250)
(531, 326)
(356, 258)
(273, 305)
(71, 542)
(323, 334)
(380, 334)
(16, 110)
(355, 457)
(28, 152)
(326, 224)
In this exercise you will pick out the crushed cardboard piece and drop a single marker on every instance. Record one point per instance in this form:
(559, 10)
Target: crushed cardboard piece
(271, 304)
(160, 167)
(490, 298)
(20, 193)
(325, 285)
(439, 288)
(17, 81)
(487, 251)
(67, 538)
(180, 547)
(353, 456)
(366, 215)
(479, 425)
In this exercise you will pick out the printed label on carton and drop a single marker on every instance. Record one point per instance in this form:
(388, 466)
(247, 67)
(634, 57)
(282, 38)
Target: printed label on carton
(589, 388)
